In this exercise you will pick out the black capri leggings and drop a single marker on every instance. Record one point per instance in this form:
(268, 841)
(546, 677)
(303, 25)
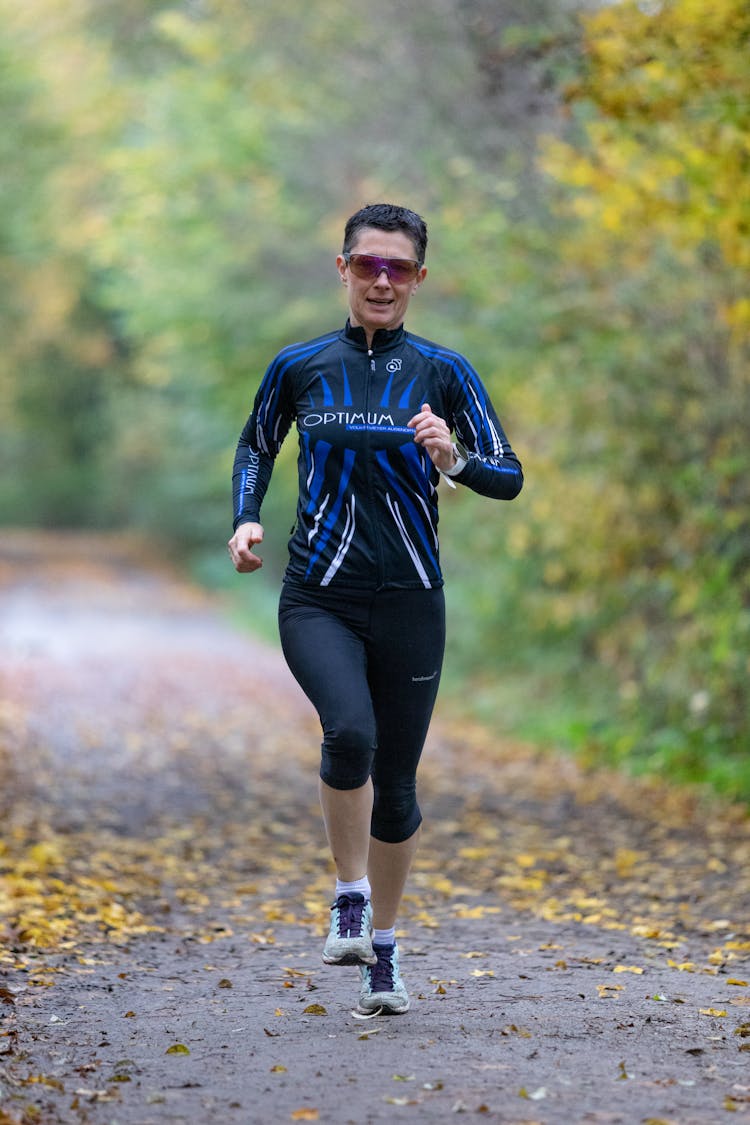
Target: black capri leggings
(370, 664)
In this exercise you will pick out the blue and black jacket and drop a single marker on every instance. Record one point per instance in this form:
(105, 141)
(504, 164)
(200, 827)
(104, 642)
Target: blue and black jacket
(367, 515)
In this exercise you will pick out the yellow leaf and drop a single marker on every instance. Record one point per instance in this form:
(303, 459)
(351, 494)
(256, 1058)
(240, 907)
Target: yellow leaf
(605, 990)
(476, 853)
(305, 1115)
(627, 969)
(43, 1080)
(315, 1010)
(278, 1069)
(713, 1012)
(739, 983)
(178, 1049)
(463, 911)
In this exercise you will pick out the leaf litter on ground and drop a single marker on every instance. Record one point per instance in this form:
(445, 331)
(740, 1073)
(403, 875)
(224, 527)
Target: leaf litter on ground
(140, 786)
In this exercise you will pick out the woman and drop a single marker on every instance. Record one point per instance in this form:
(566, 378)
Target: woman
(361, 614)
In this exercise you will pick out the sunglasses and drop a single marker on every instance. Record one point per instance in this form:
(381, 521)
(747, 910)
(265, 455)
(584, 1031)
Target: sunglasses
(369, 267)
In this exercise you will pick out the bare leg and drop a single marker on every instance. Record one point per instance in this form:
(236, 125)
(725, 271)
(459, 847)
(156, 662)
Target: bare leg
(346, 815)
(387, 871)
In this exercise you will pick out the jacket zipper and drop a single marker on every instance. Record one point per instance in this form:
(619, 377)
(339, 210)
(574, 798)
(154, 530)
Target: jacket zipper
(370, 483)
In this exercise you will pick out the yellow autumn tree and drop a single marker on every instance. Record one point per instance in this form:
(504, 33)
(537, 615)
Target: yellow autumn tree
(647, 529)
(668, 150)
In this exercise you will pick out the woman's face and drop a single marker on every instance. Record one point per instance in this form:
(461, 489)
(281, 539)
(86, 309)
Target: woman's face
(379, 302)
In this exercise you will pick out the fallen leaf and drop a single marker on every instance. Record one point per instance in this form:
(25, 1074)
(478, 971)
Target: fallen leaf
(627, 969)
(315, 1010)
(224, 983)
(607, 990)
(43, 1080)
(177, 1049)
(278, 1069)
(718, 1012)
(305, 1115)
(96, 1095)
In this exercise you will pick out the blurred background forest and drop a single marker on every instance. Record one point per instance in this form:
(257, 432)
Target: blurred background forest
(175, 175)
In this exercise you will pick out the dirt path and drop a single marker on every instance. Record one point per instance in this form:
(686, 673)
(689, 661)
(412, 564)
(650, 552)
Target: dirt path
(576, 946)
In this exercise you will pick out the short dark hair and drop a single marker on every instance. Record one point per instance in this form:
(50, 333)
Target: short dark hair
(387, 216)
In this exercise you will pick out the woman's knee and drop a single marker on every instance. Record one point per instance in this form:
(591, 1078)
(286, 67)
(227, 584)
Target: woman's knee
(346, 754)
(395, 814)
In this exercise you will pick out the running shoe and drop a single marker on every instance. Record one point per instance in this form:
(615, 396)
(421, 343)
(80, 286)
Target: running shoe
(350, 939)
(382, 986)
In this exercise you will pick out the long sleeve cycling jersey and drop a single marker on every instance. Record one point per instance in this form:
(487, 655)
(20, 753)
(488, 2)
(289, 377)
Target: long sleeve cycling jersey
(367, 513)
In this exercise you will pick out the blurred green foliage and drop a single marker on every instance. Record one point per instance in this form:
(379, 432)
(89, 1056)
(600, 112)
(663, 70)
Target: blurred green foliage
(175, 181)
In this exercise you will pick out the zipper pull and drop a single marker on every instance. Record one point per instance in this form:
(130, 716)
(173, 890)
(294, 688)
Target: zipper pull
(372, 361)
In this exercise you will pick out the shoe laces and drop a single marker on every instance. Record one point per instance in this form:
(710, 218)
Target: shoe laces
(381, 974)
(350, 908)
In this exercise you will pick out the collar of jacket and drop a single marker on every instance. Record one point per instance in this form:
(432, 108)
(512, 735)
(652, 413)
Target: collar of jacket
(383, 339)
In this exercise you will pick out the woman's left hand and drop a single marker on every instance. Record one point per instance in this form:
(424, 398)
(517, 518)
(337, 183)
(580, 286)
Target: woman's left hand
(431, 431)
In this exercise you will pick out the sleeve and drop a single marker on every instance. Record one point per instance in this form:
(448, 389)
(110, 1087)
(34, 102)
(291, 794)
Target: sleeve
(260, 441)
(492, 468)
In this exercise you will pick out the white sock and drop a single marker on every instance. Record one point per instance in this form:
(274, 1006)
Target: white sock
(384, 937)
(358, 886)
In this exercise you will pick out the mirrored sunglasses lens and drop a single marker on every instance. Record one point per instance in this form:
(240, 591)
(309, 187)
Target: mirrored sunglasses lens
(402, 269)
(364, 266)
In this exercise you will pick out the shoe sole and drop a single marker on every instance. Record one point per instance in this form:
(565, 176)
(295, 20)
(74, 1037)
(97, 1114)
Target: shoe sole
(350, 959)
(384, 1009)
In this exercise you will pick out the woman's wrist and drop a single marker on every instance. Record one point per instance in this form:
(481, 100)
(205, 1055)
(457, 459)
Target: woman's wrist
(460, 462)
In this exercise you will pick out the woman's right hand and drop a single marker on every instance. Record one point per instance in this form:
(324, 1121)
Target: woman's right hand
(247, 536)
